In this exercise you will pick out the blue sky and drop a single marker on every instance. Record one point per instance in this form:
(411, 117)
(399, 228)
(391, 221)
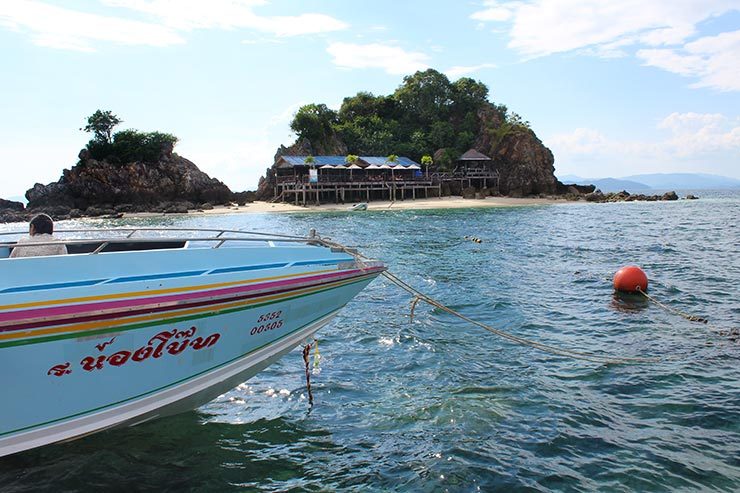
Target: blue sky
(613, 88)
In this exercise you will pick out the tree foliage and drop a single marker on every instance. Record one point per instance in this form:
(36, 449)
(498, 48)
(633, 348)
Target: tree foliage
(424, 114)
(101, 124)
(314, 122)
(132, 145)
(127, 145)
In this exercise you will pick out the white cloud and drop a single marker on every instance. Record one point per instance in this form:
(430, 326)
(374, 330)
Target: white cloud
(68, 29)
(496, 11)
(459, 70)
(715, 60)
(187, 15)
(695, 134)
(660, 30)
(708, 141)
(61, 28)
(392, 59)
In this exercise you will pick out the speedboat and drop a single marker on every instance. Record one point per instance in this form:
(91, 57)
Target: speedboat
(137, 324)
(362, 206)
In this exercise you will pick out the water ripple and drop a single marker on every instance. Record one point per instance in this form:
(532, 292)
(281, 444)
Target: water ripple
(438, 405)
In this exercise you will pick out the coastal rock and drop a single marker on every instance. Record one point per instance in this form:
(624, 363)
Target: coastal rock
(691, 197)
(11, 205)
(525, 165)
(595, 196)
(669, 196)
(95, 184)
(625, 196)
(243, 198)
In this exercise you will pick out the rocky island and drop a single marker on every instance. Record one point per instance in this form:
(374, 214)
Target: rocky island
(125, 171)
(431, 119)
(427, 118)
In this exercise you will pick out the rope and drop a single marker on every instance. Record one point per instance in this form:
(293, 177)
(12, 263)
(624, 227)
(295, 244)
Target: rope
(419, 296)
(732, 334)
(306, 352)
(580, 355)
(415, 301)
(692, 318)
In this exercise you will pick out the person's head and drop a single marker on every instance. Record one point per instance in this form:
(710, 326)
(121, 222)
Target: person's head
(41, 224)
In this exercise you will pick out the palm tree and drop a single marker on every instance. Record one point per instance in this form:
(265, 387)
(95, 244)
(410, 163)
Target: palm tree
(392, 159)
(426, 161)
(309, 160)
(351, 159)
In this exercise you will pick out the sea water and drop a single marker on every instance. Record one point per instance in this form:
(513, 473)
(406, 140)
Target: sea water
(440, 405)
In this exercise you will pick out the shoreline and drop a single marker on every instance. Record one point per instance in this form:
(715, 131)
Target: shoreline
(260, 207)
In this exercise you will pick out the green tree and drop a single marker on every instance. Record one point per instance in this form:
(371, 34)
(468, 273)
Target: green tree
(314, 122)
(131, 145)
(366, 104)
(442, 134)
(101, 124)
(309, 160)
(447, 159)
(468, 95)
(427, 161)
(425, 97)
(351, 159)
(391, 159)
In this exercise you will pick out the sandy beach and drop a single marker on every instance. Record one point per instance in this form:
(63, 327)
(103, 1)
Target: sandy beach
(418, 204)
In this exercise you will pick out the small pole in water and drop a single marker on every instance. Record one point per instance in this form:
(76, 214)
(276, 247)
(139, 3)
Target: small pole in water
(306, 352)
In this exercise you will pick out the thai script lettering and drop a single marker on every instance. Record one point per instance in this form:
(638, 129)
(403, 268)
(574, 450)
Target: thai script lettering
(172, 342)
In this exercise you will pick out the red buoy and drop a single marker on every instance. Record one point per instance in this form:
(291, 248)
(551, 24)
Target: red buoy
(630, 279)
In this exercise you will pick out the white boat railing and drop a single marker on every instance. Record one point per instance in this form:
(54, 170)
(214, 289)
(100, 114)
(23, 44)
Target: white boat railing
(128, 236)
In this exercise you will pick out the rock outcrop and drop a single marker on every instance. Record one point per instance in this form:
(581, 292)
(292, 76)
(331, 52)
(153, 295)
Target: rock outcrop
(101, 185)
(625, 196)
(526, 166)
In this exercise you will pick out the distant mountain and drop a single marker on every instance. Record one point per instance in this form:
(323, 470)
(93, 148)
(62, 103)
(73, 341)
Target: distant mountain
(660, 181)
(690, 181)
(606, 184)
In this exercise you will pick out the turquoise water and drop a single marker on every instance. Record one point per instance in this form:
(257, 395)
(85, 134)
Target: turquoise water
(439, 405)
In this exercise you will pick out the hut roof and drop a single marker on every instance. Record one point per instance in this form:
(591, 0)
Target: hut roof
(319, 161)
(473, 155)
(402, 161)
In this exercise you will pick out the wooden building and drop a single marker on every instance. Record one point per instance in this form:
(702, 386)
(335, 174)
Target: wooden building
(317, 179)
(332, 178)
(475, 169)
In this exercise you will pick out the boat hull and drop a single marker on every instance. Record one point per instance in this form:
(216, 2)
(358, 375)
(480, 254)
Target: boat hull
(89, 365)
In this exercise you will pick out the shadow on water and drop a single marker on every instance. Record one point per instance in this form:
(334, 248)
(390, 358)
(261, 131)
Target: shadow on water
(218, 457)
(629, 303)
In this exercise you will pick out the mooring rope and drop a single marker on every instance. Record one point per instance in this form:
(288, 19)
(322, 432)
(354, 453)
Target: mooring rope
(306, 352)
(692, 318)
(732, 333)
(419, 296)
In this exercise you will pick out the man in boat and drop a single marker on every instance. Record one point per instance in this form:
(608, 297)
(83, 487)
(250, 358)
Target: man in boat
(40, 230)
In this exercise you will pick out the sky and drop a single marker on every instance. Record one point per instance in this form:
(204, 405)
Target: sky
(612, 88)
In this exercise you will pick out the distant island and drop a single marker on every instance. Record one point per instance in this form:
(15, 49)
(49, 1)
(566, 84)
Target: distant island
(440, 137)
(658, 181)
(430, 138)
(123, 171)
(445, 127)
